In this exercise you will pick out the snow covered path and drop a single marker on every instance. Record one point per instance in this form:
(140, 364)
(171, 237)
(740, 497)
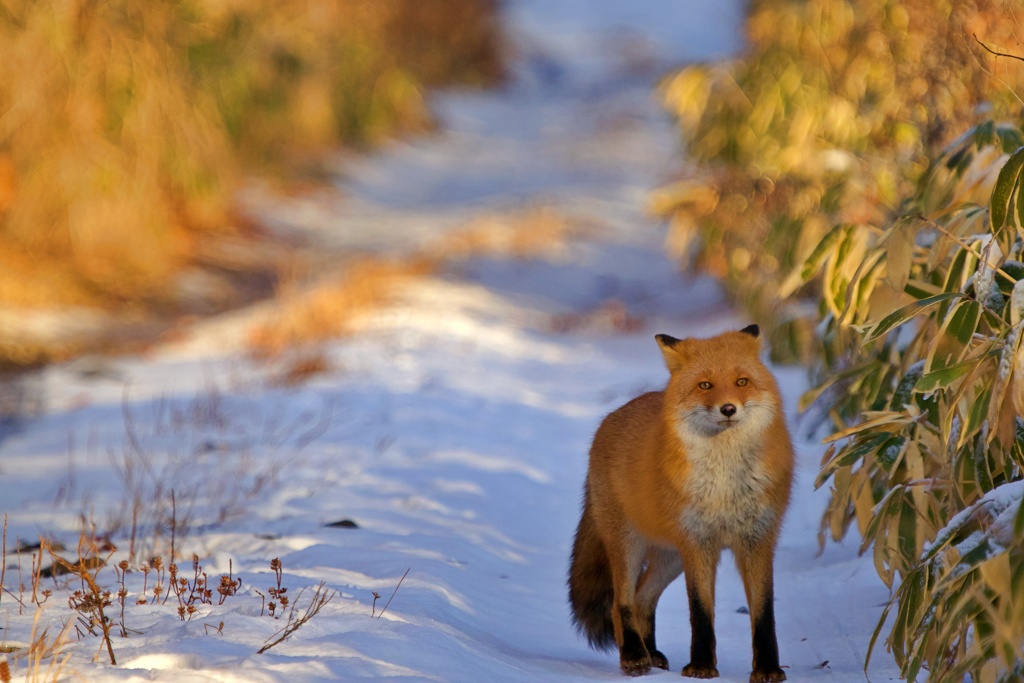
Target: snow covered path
(451, 438)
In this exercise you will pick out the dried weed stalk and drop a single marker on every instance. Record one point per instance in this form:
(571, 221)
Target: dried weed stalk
(91, 600)
(199, 462)
(45, 658)
(321, 596)
(393, 593)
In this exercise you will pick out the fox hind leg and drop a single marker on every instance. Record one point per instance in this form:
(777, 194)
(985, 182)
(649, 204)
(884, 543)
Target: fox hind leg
(627, 557)
(663, 567)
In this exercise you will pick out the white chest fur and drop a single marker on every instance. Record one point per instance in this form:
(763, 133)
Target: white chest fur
(726, 486)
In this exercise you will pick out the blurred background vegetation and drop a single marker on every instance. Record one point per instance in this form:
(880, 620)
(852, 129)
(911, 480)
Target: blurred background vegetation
(127, 127)
(831, 116)
(858, 186)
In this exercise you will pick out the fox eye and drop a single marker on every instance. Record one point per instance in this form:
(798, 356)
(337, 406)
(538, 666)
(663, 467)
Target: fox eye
(705, 385)
(741, 382)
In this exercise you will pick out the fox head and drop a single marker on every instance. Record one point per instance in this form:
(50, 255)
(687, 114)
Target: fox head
(719, 384)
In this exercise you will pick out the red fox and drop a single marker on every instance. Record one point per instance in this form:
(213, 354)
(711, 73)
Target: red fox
(675, 476)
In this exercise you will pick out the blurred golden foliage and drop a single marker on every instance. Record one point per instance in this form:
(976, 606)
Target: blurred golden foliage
(862, 173)
(125, 126)
(829, 118)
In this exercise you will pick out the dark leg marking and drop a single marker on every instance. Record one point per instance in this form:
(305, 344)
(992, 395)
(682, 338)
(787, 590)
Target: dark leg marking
(658, 660)
(633, 657)
(766, 646)
(702, 641)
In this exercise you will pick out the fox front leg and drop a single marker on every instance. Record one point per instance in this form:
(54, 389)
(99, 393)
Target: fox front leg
(700, 568)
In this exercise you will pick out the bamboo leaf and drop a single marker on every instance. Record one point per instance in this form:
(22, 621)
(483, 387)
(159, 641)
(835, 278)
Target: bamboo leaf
(955, 276)
(812, 265)
(940, 379)
(1018, 521)
(903, 395)
(850, 455)
(954, 339)
(975, 415)
(1020, 208)
(1001, 380)
(1007, 180)
(1010, 137)
(907, 312)
(899, 255)
(882, 418)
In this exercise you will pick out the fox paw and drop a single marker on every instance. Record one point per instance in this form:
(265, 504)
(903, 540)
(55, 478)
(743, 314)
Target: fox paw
(658, 660)
(635, 667)
(697, 671)
(775, 675)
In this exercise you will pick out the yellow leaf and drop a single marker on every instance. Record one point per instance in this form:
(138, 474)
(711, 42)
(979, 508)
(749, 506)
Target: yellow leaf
(899, 256)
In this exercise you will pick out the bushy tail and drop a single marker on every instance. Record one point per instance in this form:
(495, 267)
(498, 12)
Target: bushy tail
(590, 584)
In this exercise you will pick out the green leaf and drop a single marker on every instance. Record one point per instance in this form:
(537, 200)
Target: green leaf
(1010, 138)
(940, 379)
(1018, 521)
(954, 338)
(813, 264)
(847, 456)
(963, 323)
(905, 389)
(1007, 180)
(811, 395)
(890, 452)
(985, 134)
(976, 415)
(955, 275)
(907, 312)
(1020, 206)
(982, 470)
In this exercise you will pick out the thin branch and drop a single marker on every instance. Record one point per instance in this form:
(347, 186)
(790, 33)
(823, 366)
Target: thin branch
(393, 593)
(965, 245)
(321, 596)
(994, 52)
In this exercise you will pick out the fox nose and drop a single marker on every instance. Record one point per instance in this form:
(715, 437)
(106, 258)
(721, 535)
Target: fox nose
(728, 410)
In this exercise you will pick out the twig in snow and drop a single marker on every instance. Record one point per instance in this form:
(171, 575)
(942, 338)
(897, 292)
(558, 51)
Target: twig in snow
(321, 596)
(393, 593)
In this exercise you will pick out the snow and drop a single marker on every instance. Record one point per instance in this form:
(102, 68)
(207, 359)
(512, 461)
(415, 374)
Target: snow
(454, 428)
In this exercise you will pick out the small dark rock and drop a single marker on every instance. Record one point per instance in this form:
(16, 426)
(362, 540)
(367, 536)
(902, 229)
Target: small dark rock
(343, 524)
(743, 610)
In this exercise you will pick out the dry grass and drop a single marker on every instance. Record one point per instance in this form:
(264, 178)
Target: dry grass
(306, 318)
(530, 232)
(45, 658)
(125, 127)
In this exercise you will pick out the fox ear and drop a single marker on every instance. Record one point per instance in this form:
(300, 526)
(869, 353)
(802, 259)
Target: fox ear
(753, 330)
(672, 350)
